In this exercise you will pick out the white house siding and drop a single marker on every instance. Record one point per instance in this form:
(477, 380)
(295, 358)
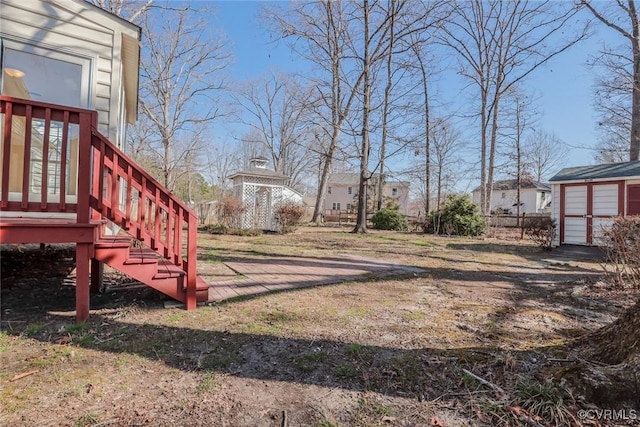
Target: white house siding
(530, 197)
(340, 196)
(76, 28)
(289, 195)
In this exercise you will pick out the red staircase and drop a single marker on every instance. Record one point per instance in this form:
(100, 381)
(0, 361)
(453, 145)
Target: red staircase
(144, 265)
(104, 186)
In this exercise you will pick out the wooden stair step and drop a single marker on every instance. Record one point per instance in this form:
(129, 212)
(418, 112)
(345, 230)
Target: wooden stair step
(113, 242)
(168, 270)
(141, 256)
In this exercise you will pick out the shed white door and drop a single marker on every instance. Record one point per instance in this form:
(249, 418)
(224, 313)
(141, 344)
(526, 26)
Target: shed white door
(575, 215)
(588, 210)
(605, 208)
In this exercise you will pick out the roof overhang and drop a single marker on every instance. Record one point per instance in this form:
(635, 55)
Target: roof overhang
(588, 180)
(130, 71)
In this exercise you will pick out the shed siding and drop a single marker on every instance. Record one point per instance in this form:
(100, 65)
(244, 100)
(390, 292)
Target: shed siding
(78, 29)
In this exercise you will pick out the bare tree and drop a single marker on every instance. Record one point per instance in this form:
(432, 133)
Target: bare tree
(127, 9)
(545, 153)
(277, 110)
(623, 67)
(446, 146)
(181, 74)
(320, 31)
(513, 133)
(384, 25)
(499, 44)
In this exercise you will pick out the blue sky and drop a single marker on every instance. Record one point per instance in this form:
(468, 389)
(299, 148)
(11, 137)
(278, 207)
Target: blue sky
(564, 87)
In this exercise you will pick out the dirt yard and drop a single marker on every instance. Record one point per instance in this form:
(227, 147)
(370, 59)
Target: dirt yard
(474, 340)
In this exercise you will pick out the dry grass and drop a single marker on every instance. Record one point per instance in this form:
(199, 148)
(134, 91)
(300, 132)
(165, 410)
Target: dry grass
(384, 351)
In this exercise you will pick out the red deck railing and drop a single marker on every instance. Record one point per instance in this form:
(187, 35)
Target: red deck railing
(55, 160)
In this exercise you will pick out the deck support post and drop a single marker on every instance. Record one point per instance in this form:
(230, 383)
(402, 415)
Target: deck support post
(83, 253)
(97, 271)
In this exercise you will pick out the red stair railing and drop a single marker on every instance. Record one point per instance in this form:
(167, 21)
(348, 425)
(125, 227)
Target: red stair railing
(107, 181)
(127, 195)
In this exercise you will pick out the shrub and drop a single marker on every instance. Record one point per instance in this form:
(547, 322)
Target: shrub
(229, 211)
(458, 216)
(621, 243)
(542, 230)
(389, 219)
(288, 216)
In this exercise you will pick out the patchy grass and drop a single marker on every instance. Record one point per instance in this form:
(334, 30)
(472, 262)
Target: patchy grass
(386, 351)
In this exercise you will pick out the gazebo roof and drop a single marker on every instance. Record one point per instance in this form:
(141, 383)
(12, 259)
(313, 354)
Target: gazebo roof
(259, 172)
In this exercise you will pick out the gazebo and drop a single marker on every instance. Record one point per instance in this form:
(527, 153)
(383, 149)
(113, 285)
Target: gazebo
(261, 191)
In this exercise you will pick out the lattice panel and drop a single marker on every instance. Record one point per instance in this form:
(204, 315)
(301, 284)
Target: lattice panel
(264, 209)
(277, 197)
(262, 180)
(248, 199)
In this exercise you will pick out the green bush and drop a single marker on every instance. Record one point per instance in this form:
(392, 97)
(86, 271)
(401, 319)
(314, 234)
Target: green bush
(389, 219)
(458, 216)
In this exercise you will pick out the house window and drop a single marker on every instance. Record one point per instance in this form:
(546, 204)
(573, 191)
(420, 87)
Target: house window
(27, 73)
(350, 190)
(336, 206)
(394, 191)
(543, 196)
(329, 190)
(349, 207)
(504, 195)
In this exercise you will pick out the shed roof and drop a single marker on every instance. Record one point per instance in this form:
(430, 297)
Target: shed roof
(512, 184)
(603, 171)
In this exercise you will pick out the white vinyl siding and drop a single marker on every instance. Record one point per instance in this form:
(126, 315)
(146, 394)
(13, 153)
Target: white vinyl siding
(77, 28)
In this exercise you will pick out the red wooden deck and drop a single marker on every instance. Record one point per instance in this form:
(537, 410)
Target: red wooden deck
(104, 185)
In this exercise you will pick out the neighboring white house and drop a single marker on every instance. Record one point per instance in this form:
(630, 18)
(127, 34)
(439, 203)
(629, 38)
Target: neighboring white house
(262, 191)
(535, 197)
(342, 192)
(72, 53)
(587, 198)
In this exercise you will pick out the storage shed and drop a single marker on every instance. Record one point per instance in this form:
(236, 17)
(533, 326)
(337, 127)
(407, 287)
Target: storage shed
(587, 198)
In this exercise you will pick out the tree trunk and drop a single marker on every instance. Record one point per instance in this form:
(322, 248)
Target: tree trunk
(385, 112)
(492, 151)
(361, 221)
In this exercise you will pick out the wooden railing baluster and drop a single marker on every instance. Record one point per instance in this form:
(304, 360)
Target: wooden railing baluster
(63, 163)
(7, 109)
(26, 164)
(44, 176)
